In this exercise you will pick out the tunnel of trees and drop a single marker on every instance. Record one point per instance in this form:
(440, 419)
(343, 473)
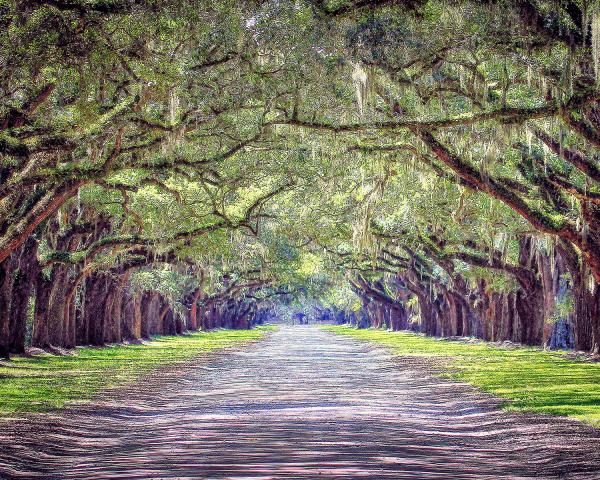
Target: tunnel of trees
(168, 166)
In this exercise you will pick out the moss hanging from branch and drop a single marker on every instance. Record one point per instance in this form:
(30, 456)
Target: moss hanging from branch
(360, 80)
(596, 42)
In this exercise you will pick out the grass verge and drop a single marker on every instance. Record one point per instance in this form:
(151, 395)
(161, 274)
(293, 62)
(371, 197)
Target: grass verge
(47, 382)
(529, 379)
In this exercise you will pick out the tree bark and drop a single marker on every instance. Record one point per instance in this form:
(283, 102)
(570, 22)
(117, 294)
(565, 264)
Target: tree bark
(21, 295)
(94, 308)
(5, 297)
(132, 316)
(193, 315)
(39, 337)
(55, 320)
(586, 300)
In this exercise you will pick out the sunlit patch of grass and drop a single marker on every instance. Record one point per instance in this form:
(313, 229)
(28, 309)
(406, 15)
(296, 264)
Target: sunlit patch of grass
(529, 379)
(47, 382)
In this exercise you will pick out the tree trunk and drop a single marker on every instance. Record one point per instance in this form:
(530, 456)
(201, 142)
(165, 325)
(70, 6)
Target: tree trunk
(193, 315)
(56, 303)
(5, 296)
(168, 322)
(531, 304)
(21, 295)
(145, 313)
(71, 324)
(114, 310)
(586, 299)
(18, 311)
(587, 312)
(39, 337)
(132, 316)
(94, 311)
(179, 324)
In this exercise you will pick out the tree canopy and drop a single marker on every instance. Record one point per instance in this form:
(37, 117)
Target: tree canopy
(434, 163)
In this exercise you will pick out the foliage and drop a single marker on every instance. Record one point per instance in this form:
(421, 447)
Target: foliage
(229, 137)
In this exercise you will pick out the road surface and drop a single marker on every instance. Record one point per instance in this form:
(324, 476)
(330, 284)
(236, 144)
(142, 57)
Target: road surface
(301, 404)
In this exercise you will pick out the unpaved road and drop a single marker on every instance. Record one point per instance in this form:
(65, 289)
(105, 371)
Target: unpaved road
(301, 404)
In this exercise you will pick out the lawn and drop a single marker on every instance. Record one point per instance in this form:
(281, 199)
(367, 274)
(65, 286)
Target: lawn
(529, 379)
(47, 382)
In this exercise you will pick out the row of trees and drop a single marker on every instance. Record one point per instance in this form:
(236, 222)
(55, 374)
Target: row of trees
(441, 156)
(120, 217)
(51, 302)
(535, 310)
(478, 214)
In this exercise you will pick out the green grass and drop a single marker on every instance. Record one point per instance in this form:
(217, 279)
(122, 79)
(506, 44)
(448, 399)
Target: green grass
(47, 382)
(529, 379)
